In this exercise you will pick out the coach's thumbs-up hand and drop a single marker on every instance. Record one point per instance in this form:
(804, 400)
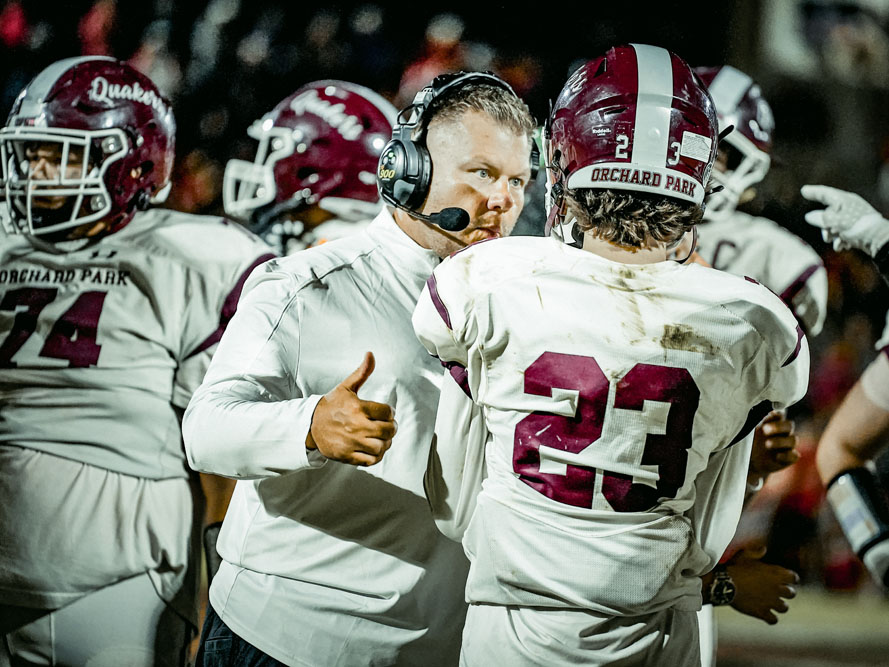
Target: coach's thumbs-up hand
(348, 429)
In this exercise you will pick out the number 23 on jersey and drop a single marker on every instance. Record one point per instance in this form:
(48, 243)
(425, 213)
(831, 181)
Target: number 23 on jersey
(574, 484)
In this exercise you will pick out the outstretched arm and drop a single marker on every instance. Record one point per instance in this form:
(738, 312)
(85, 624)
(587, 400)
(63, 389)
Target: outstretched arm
(850, 222)
(854, 435)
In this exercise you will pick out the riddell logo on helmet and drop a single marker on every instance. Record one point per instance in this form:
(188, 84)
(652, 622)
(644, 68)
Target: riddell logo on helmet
(333, 114)
(104, 92)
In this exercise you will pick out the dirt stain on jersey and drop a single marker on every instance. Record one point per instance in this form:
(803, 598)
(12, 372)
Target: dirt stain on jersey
(631, 321)
(683, 337)
(621, 276)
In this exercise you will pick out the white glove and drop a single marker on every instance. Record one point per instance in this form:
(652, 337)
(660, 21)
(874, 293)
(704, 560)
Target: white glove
(848, 221)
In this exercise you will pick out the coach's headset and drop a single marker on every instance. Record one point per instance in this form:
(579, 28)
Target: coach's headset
(404, 172)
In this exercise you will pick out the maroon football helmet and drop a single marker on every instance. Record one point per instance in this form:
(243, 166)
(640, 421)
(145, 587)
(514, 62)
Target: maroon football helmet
(636, 119)
(115, 135)
(739, 102)
(319, 146)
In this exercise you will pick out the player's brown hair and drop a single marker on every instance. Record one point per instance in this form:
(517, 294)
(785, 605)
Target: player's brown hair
(631, 219)
(498, 103)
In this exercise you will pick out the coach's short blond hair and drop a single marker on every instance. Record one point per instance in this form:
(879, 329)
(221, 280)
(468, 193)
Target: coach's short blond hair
(502, 105)
(632, 219)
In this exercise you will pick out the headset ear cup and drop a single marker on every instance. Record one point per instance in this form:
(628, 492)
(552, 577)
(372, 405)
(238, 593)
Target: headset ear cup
(404, 172)
(391, 171)
(423, 179)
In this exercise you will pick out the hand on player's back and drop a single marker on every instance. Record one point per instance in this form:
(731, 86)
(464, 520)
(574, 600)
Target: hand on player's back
(774, 445)
(348, 429)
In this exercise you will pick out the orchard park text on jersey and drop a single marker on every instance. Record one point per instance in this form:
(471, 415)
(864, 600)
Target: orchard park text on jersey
(87, 275)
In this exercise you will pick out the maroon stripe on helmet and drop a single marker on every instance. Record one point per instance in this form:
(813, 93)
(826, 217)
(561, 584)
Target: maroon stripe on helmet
(437, 302)
(632, 74)
(799, 344)
(680, 78)
(229, 306)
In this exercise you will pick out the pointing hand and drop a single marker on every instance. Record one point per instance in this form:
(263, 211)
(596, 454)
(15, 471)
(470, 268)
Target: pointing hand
(848, 221)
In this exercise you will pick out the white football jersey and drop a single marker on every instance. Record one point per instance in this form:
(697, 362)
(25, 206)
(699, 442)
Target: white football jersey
(98, 345)
(611, 395)
(100, 348)
(746, 245)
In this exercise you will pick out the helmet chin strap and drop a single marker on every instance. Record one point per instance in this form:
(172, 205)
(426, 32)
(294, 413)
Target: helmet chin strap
(694, 245)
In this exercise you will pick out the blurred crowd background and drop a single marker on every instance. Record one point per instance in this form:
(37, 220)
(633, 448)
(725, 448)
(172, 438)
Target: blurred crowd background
(823, 66)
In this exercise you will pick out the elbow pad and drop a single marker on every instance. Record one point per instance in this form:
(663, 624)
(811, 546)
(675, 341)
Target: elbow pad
(862, 509)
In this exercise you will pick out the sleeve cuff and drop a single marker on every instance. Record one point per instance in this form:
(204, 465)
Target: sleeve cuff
(313, 458)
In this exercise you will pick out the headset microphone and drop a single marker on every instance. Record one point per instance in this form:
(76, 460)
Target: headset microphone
(451, 219)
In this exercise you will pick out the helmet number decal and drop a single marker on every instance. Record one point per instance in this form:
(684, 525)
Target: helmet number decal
(674, 159)
(72, 336)
(620, 151)
(549, 448)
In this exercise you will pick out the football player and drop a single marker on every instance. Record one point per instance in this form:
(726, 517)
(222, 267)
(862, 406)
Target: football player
(740, 243)
(857, 431)
(604, 393)
(747, 245)
(313, 178)
(109, 311)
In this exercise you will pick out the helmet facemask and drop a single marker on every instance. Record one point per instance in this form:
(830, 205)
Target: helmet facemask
(745, 166)
(315, 162)
(248, 186)
(555, 203)
(85, 157)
